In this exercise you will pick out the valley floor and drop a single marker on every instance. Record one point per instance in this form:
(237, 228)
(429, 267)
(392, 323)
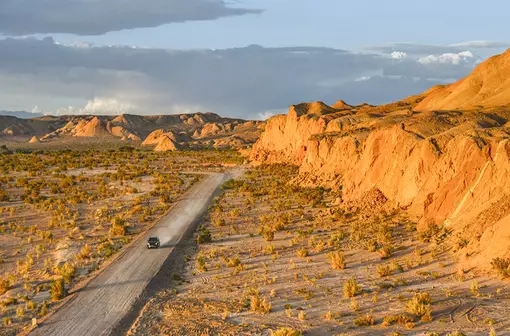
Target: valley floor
(273, 256)
(65, 215)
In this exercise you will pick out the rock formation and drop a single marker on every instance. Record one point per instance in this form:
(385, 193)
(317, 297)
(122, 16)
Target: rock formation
(34, 139)
(93, 128)
(184, 129)
(439, 154)
(166, 144)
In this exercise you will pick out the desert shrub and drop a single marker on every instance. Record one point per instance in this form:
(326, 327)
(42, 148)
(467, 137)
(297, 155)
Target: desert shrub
(501, 266)
(84, 252)
(165, 198)
(401, 319)
(456, 333)
(3, 196)
(232, 262)
(200, 262)
(204, 236)
(106, 249)
(419, 305)
(57, 289)
(475, 288)
(232, 184)
(364, 321)
(386, 251)
(305, 293)
(118, 227)
(337, 260)
(20, 313)
(286, 332)
(235, 213)
(302, 252)
(336, 239)
(383, 270)
(67, 271)
(351, 288)
(281, 221)
(30, 305)
(44, 309)
(259, 305)
(218, 221)
(5, 285)
(266, 232)
(434, 233)
(396, 267)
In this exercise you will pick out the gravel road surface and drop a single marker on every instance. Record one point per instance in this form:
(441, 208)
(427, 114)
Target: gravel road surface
(96, 308)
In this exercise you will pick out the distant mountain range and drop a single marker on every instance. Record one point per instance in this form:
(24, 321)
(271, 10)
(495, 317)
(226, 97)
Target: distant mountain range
(166, 132)
(21, 114)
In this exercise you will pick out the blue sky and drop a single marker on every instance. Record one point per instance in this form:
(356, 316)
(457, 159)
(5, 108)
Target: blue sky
(338, 24)
(60, 57)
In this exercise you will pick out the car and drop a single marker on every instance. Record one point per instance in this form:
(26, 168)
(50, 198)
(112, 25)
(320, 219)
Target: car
(153, 242)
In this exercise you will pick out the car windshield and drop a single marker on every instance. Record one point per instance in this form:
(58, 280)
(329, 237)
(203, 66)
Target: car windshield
(152, 239)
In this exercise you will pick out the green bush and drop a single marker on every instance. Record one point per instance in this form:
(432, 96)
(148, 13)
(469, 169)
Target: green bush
(58, 290)
(204, 236)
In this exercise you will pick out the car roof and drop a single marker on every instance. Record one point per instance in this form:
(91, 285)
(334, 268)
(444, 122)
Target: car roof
(153, 238)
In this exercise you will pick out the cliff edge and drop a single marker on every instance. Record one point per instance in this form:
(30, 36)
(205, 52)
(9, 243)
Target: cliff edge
(443, 155)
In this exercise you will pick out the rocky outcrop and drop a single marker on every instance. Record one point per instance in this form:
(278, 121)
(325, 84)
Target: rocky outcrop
(166, 144)
(197, 130)
(285, 138)
(153, 138)
(34, 139)
(488, 86)
(93, 128)
(445, 168)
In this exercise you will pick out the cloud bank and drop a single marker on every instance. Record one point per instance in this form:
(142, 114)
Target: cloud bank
(97, 17)
(249, 82)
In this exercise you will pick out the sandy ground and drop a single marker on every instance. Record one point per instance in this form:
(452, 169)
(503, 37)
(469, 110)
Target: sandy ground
(96, 308)
(212, 289)
(58, 210)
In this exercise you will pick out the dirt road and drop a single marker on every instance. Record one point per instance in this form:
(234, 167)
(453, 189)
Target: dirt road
(96, 308)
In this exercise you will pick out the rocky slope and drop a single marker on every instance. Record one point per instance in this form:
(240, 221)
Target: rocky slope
(444, 155)
(184, 130)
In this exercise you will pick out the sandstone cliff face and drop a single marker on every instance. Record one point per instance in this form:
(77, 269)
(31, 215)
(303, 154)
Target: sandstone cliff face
(446, 167)
(285, 137)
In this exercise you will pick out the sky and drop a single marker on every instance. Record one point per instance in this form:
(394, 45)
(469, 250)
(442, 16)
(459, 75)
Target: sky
(244, 58)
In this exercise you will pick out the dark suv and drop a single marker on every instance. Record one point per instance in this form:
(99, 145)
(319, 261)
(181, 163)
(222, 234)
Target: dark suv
(153, 242)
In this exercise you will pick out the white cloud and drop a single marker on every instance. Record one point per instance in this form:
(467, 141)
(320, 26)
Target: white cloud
(36, 109)
(452, 58)
(417, 49)
(362, 78)
(481, 45)
(93, 17)
(265, 115)
(99, 106)
(398, 55)
(239, 82)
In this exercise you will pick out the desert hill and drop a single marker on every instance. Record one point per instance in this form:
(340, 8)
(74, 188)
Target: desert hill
(488, 86)
(443, 155)
(184, 130)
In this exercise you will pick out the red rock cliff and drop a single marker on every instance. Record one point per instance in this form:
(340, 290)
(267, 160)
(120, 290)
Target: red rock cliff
(448, 167)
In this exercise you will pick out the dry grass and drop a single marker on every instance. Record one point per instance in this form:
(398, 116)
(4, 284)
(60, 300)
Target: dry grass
(300, 278)
(63, 213)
